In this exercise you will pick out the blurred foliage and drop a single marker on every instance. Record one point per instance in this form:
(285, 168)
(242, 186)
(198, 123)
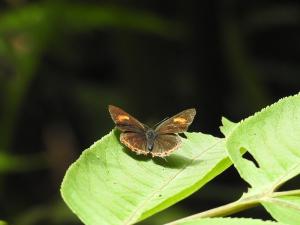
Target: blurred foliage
(122, 177)
(52, 213)
(62, 62)
(26, 32)
(13, 163)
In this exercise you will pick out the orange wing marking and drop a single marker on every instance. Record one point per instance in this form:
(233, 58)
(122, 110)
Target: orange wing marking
(122, 118)
(179, 120)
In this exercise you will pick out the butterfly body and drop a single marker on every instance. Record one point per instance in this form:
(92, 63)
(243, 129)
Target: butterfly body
(159, 141)
(150, 137)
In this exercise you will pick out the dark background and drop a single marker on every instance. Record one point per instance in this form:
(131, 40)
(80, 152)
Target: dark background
(63, 62)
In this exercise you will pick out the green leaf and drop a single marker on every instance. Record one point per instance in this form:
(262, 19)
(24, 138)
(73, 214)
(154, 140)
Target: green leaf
(2, 222)
(108, 184)
(280, 207)
(272, 137)
(229, 221)
(227, 126)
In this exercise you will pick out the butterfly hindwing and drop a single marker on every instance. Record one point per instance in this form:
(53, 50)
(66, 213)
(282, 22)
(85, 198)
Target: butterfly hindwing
(135, 141)
(178, 123)
(165, 144)
(124, 121)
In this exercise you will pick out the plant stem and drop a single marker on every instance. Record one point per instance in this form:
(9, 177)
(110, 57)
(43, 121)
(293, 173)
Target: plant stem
(286, 193)
(234, 207)
(220, 211)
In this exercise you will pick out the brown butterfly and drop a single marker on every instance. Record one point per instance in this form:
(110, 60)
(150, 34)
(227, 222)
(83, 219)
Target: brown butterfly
(158, 141)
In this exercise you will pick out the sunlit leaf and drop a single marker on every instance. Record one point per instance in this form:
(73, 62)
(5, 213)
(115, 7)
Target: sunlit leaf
(227, 126)
(110, 185)
(272, 137)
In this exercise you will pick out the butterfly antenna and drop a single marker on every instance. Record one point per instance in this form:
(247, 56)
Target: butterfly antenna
(145, 125)
(161, 122)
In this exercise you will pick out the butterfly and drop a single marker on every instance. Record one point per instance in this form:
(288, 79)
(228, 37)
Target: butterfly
(159, 141)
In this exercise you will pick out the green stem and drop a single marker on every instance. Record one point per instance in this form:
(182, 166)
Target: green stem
(220, 211)
(286, 193)
(234, 207)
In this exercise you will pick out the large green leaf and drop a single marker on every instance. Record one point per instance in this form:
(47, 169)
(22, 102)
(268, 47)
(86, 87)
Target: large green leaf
(229, 221)
(110, 185)
(272, 138)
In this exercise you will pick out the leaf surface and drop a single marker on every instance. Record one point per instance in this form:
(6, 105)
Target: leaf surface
(272, 138)
(109, 184)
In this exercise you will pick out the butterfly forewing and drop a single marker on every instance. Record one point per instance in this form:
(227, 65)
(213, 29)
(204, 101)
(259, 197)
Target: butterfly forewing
(165, 144)
(178, 123)
(124, 121)
(135, 141)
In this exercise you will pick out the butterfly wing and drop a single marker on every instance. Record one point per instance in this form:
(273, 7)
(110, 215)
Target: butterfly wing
(124, 121)
(178, 123)
(165, 144)
(135, 141)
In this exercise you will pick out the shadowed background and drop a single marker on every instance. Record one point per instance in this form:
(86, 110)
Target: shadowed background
(63, 62)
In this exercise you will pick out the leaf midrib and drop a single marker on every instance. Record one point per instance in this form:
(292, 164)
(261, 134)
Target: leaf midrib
(139, 208)
(283, 203)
